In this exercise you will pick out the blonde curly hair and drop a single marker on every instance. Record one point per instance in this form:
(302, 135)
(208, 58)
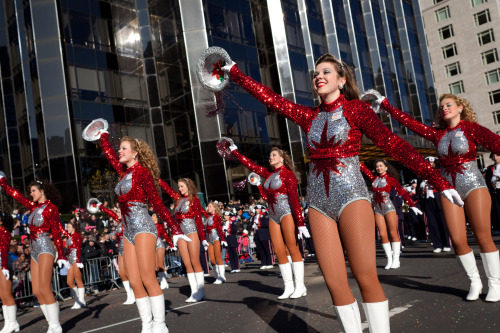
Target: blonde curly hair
(467, 112)
(145, 156)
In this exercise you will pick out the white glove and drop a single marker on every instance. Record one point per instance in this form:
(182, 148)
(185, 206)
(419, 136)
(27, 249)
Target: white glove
(79, 265)
(205, 244)
(453, 196)
(2, 174)
(303, 232)
(223, 243)
(416, 210)
(175, 238)
(233, 147)
(62, 262)
(97, 135)
(173, 248)
(228, 67)
(6, 273)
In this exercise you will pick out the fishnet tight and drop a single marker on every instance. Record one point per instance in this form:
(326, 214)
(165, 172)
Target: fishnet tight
(478, 208)
(355, 228)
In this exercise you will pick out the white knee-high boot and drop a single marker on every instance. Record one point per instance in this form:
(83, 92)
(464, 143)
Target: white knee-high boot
(163, 280)
(145, 313)
(222, 273)
(53, 318)
(200, 284)
(158, 311)
(10, 319)
(349, 317)
(286, 274)
(298, 271)
(396, 252)
(491, 263)
(217, 275)
(468, 262)
(194, 287)
(81, 296)
(130, 293)
(377, 315)
(388, 254)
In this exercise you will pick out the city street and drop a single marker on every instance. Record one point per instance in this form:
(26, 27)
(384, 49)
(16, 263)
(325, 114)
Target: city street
(425, 295)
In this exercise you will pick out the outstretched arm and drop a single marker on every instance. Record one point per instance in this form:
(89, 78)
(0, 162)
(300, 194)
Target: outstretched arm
(261, 171)
(109, 212)
(486, 138)
(397, 186)
(17, 195)
(110, 153)
(366, 171)
(299, 114)
(171, 193)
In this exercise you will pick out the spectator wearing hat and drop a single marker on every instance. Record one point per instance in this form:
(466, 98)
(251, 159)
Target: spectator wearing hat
(431, 202)
(232, 243)
(417, 220)
(263, 238)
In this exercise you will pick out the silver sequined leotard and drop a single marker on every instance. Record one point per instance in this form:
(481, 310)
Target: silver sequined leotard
(212, 234)
(72, 252)
(466, 176)
(345, 182)
(119, 235)
(280, 207)
(188, 226)
(40, 242)
(384, 205)
(136, 216)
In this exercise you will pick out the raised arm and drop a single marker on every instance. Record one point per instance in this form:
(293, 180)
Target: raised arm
(409, 122)
(364, 169)
(196, 207)
(171, 193)
(293, 199)
(110, 153)
(370, 124)
(109, 212)
(51, 216)
(17, 195)
(397, 186)
(148, 184)
(299, 114)
(484, 137)
(251, 165)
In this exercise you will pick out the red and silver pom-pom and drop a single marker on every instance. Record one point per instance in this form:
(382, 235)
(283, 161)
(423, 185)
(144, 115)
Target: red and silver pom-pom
(239, 186)
(223, 148)
(372, 97)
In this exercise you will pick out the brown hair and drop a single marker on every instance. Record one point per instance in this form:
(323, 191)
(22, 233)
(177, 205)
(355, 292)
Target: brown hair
(76, 226)
(391, 171)
(145, 156)
(192, 190)
(216, 207)
(49, 189)
(467, 112)
(287, 159)
(350, 89)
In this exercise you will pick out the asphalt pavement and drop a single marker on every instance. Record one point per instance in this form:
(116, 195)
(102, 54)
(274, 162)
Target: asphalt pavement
(427, 294)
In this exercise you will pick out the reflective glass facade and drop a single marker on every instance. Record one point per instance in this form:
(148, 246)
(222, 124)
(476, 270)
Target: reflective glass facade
(132, 62)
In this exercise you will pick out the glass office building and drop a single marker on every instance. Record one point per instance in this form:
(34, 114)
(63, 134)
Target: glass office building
(132, 62)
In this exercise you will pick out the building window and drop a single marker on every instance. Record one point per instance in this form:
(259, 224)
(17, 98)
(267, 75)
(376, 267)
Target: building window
(449, 51)
(489, 56)
(492, 76)
(446, 32)
(496, 117)
(486, 37)
(482, 17)
(475, 3)
(442, 13)
(453, 69)
(437, 1)
(494, 96)
(456, 87)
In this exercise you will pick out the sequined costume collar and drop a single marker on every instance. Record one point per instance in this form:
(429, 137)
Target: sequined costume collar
(43, 203)
(454, 128)
(133, 167)
(279, 169)
(327, 107)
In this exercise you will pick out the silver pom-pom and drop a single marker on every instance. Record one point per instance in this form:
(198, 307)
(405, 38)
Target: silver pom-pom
(2, 174)
(94, 130)
(254, 179)
(372, 97)
(93, 205)
(209, 69)
(223, 148)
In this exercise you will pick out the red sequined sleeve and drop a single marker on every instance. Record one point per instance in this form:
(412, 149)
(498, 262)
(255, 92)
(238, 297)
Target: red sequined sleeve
(51, 216)
(164, 185)
(196, 207)
(218, 222)
(109, 212)
(404, 194)
(77, 243)
(370, 124)
(204, 213)
(5, 238)
(63, 231)
(299, 114)
(293, 199)
(110, 153)
(261, 171)
(366, 171)
(17, 195)
(147, 182)
(409, 122)
(162, 233)
(484, 137)
(262, 193)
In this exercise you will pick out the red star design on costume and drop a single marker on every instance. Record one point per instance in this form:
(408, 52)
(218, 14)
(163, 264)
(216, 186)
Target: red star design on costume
(125, 210)
(271, 200)
(378, 198)
(325, 165)
(453, 169)
(217, 70)
(34, 231)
